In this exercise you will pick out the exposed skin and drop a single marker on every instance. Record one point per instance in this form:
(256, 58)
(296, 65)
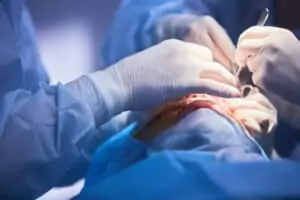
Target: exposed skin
(254, 113)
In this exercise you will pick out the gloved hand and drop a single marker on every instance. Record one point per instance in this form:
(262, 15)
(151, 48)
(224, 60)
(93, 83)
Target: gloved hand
(273, 56)
(162, 73)
(256, 112)
(203, 30)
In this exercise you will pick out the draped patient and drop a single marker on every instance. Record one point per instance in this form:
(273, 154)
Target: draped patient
(170, 126)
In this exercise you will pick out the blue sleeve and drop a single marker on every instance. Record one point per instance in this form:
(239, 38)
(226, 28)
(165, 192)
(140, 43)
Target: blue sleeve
(20, 63)
(191, 175)
(46, 139)
(118, 153)
(134, 25)
(139, 24)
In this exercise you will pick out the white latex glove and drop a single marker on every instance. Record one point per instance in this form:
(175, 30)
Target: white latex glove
(203, 30)
(256, 111)
(162, 73)
(206, 31)
(273, 56)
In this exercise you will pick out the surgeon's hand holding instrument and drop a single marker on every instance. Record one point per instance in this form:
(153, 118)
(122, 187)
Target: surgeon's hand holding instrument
(243, 73)
(201, 30)
(272, 57)
(259, 118)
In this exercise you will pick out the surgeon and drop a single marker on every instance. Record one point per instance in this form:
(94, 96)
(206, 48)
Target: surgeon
(215, 24)
(272, 55)
(48, 133)
(206, 155)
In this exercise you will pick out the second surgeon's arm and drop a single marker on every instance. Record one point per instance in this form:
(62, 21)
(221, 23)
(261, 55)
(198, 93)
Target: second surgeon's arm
(47, 137)
(137, 21)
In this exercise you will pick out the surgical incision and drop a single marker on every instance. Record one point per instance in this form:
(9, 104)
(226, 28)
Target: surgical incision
(236, 109)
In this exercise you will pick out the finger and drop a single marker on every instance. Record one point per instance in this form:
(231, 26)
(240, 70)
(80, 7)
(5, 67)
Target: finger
(204, 86)
(217, 53)
(257, 113)
(206, 41)
(256, 32)
(248, 49)
(251, 114)
(215, 88)
(244, 104)
(257, 116)
(221, 57)
(222, 42)
(198, 36)
(252, 126)
(219, 73)
(200, 50)
(262, 100)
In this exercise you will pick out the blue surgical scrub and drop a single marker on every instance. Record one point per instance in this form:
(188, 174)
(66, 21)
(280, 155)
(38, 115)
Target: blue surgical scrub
(138, 21)
(204, 156)
(47, 134)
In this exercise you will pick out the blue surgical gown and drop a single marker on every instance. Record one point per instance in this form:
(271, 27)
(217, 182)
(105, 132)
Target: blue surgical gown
(47, 134)
(137, 20)
(204, 156)
(189, 161)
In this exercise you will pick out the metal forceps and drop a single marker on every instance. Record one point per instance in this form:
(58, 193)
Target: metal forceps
(244, 74)
(263, 17)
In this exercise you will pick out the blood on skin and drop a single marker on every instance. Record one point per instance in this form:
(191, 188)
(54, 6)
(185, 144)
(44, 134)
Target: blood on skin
(171, 113)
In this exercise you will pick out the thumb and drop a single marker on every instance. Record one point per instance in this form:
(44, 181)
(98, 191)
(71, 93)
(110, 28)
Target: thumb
(216, 88)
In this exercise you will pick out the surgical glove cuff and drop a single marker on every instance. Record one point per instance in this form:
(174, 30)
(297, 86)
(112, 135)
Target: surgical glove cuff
(110, 94)
(83, 89)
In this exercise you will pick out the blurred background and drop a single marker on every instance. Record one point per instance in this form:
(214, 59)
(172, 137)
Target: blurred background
(69, 37)
(70, 33)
